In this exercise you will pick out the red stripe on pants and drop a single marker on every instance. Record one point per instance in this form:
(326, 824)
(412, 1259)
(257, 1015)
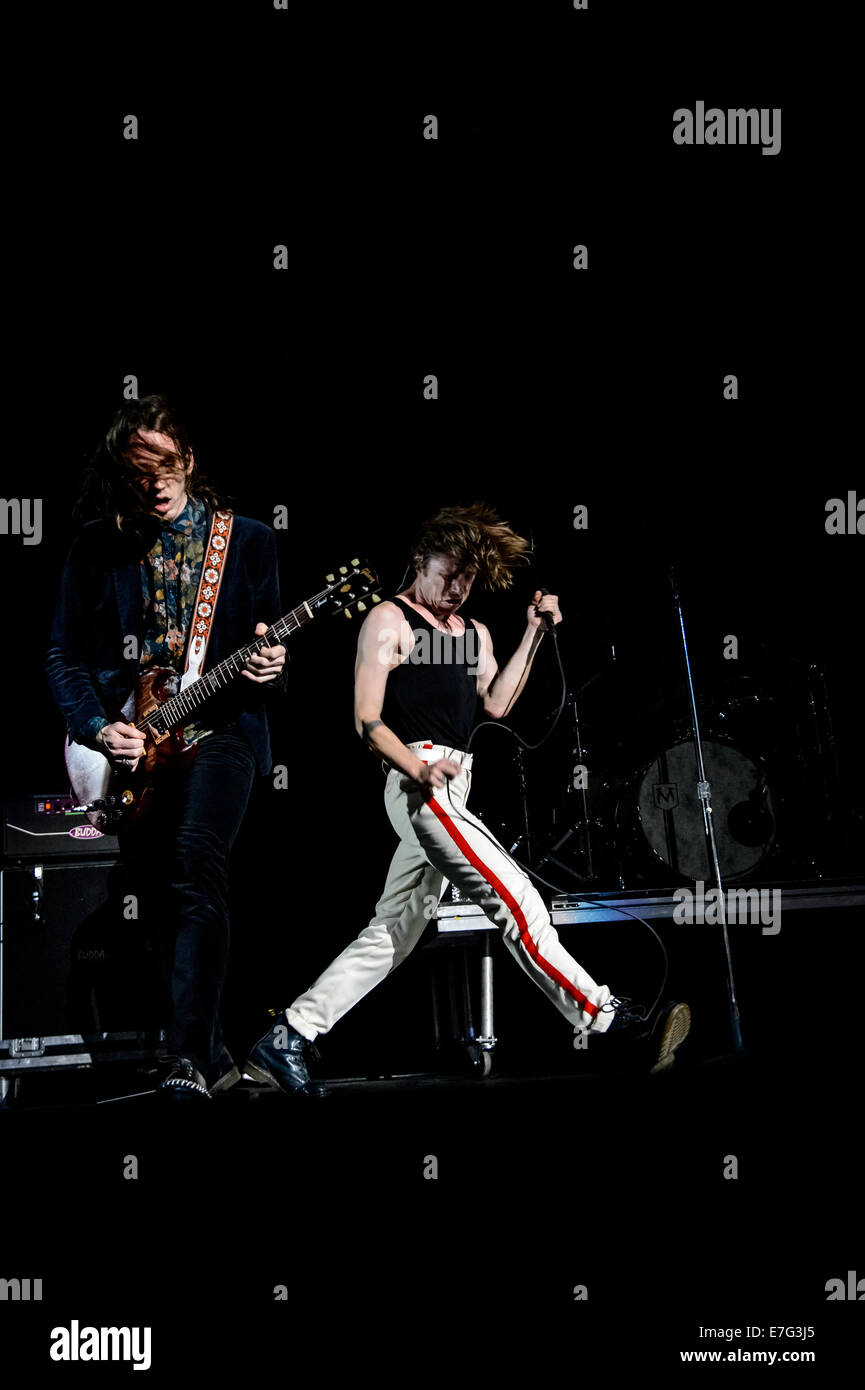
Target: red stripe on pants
(510, 901)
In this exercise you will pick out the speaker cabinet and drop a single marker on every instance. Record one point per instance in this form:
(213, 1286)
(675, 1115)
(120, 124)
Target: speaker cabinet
(73, 958)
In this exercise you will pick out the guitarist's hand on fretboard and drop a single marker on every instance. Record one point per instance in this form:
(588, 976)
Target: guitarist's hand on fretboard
(265, 665)
(123, 744)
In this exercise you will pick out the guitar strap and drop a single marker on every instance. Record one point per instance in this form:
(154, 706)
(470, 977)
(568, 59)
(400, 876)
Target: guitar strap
(208, 593)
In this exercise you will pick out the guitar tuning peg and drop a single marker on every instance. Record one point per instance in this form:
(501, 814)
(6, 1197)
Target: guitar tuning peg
(347, 612)
(356, 563)
(330, 578)
(343, 569)
(376, 599)
(361, 606)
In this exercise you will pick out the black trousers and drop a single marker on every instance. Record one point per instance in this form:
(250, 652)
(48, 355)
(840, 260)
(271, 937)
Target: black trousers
(178, 856)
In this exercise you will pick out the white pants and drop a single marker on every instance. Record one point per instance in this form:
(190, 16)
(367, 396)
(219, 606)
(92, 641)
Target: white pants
(439, 841)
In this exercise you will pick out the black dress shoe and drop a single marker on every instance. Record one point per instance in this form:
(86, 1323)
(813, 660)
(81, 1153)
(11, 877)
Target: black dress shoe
(184, 1081)
(277, 1060)
(223, 1073)
(630, 1020)
(639, 1040)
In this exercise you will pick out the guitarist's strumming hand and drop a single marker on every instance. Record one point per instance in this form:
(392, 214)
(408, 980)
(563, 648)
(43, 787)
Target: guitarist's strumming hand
(264, 665)
(123, 744)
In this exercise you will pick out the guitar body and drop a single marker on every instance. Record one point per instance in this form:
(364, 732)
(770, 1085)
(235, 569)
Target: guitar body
(93, 776)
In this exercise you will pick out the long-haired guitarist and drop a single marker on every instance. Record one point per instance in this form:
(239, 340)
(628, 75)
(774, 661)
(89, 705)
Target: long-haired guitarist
(158, 589)
(424, 677)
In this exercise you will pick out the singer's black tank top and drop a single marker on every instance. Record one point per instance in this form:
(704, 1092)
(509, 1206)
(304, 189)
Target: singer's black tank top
(433, 694)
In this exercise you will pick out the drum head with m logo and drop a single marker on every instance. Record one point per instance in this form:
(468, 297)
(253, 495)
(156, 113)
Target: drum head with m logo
(671, 816)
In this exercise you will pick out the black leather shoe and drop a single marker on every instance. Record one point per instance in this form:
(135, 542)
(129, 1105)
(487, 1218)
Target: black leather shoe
(223, 1073)
(637, 1040)
(184, 1081)
(630, 1020)
(277, 1060)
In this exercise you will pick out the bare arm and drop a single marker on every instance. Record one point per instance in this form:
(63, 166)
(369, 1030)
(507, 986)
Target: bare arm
(500, 689)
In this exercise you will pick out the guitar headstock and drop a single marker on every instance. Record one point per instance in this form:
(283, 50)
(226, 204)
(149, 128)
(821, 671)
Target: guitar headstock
(352, 588)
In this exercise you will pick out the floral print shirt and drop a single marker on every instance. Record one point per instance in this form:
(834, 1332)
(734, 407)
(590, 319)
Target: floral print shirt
(170, 576)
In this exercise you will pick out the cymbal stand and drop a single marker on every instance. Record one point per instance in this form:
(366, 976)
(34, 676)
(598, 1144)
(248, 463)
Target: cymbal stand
(583, 822)
(526, 836)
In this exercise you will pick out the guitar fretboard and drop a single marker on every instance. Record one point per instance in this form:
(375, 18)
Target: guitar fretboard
(178, 709)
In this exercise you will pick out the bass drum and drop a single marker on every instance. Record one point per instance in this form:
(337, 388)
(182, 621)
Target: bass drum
(671, 816)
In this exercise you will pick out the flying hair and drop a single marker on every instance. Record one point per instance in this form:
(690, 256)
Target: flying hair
(475, 536)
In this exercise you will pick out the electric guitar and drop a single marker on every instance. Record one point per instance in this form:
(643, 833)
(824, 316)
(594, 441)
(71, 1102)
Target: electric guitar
(163, 702)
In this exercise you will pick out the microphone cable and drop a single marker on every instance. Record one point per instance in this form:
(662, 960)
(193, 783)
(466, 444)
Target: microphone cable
(523, 869)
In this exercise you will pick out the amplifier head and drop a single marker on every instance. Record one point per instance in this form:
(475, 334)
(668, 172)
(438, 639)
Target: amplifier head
(45, 827)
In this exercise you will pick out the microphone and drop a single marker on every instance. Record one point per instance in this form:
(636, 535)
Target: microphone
(549, 625)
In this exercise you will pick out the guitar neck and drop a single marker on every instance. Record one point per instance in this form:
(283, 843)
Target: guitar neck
(178, 709)
(339, 595)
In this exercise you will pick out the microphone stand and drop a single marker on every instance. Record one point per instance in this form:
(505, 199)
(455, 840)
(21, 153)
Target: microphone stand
(704, 793)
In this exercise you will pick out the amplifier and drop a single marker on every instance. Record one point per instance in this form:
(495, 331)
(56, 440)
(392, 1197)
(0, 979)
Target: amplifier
(71, 961)
(46, 827)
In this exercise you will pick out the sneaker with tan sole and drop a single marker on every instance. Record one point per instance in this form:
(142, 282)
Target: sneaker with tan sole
(636, 1039)
(671, 1028)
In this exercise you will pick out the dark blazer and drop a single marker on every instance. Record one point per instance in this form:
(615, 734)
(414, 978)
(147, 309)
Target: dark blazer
(100, 605)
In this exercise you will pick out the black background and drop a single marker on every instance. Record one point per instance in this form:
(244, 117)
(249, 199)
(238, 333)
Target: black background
(303, 388)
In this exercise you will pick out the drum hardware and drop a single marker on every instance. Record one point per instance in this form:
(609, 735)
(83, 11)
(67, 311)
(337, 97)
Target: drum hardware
(526, 839)
(750, 821)
(826, 755)
(585, 821)
(831, 813)
(521, 784)
(704, 792)
(550, 856)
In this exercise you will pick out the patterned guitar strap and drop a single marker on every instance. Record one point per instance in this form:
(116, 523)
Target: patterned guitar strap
(208, 592)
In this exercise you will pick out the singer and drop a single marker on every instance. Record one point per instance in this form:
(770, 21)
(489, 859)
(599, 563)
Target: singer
(417, 716)
(129, 595)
